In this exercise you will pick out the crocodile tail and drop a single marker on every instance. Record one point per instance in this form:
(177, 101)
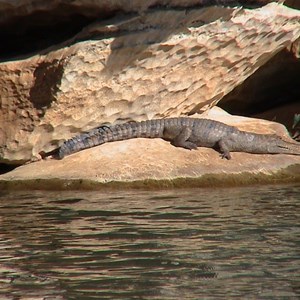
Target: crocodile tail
(105, 134)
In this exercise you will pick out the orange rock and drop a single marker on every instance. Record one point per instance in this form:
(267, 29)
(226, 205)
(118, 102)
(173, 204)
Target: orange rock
(156, 160)
(162, 63)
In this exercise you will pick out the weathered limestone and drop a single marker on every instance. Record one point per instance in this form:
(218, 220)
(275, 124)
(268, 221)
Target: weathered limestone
(157, 160)
(10, 9)
(161, 63)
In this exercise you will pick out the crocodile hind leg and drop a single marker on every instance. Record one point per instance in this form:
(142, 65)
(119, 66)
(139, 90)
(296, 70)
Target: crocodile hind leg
(181, 140)
(225, 153)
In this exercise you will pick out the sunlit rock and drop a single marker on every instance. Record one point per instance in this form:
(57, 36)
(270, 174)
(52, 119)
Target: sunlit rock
(155, 160)
(157, 64)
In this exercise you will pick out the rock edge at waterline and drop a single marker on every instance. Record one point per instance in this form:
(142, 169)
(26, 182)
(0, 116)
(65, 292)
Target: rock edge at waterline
(150, 163)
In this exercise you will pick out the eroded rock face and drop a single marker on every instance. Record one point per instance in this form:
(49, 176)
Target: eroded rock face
(155, 159)
(275, 84)
(159, 64)
(11, 9)
(32, 25)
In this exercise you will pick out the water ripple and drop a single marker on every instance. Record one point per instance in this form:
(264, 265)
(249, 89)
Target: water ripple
(175, 244)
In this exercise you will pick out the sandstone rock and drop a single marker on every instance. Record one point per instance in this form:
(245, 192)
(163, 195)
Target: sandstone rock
(9, 10)
(162, 63)
(146, 162)
(32, 25)
(273, 86)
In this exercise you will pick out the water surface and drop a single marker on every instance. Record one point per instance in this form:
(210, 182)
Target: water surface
(174, 244)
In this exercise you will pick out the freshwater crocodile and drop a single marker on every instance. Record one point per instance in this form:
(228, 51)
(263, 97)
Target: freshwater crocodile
(188, 133)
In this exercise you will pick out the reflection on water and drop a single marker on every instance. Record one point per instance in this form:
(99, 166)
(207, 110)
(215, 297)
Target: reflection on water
(175, 244)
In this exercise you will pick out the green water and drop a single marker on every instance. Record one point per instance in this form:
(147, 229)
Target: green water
(237, 243)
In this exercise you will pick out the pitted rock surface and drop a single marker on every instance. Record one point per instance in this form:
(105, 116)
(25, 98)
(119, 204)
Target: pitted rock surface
(160, 64)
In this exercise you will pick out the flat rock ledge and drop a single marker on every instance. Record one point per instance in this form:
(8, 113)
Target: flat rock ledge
(154, 163)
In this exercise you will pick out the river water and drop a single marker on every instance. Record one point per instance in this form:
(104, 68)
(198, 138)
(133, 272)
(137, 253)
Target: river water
(231, 243)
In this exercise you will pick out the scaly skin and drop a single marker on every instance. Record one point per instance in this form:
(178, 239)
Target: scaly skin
(187, 133)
